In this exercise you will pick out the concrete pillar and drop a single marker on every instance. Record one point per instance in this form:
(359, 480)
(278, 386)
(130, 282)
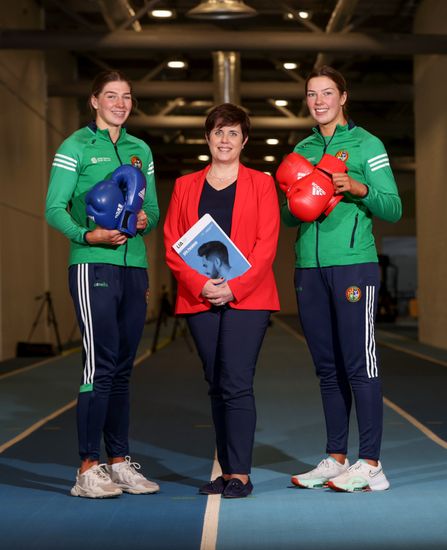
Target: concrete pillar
(62, 119)
(430, 90)
(23, 168)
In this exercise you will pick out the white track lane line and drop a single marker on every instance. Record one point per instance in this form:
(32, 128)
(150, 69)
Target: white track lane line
(411, 419)
(211, 518)
(426, 431)
(36, 426)
(54, 414)
(37, 365)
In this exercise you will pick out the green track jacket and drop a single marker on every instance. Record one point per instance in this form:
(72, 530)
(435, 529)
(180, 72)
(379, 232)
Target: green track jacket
(345, 236)
(85, 158)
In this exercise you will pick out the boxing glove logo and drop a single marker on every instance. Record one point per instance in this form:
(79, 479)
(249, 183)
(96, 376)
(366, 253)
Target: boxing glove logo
(316, 189)
(309, 189)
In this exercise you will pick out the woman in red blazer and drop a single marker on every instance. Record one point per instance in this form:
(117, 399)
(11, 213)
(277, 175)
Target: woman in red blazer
(228, 318)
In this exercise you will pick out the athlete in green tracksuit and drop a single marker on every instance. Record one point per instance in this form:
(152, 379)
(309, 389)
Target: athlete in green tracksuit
(108, 283)
(85, 158)
(337, 281)
(346, 235)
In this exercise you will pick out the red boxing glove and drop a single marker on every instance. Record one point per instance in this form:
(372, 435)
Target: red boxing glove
(330, 165)
(292, 169)
(308, 199)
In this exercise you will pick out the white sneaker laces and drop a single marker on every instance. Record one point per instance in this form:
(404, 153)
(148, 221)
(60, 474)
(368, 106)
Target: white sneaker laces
(98, 471)
(132, 467)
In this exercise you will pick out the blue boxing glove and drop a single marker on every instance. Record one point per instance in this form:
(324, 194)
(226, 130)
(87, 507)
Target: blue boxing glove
(104, 204)
(132, 183)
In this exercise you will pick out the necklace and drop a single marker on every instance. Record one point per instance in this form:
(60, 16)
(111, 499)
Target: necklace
(222, 179)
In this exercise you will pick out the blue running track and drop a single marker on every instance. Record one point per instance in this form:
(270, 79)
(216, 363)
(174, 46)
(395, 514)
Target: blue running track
(172, 438)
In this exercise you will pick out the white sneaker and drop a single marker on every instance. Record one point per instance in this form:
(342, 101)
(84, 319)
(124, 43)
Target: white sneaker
(126, 476)
(319, 476)
(361, 476)
(95, 483)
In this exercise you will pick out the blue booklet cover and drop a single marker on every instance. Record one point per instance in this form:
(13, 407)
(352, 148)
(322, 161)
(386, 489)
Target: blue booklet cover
(208, 249)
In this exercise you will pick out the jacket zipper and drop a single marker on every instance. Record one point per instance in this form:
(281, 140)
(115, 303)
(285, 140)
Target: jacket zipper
(317, 237)
(121, 163)
(317, 256)
(116, 152)
(354, 229)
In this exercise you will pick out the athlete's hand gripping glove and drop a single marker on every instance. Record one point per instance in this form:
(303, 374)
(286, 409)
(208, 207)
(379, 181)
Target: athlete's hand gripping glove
(313, 195)
(292, 168)
(104, 204)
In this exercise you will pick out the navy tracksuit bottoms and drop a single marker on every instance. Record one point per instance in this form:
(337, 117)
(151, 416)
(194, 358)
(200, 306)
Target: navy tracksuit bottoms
(337, 308)
(110, 303)
(228, 342)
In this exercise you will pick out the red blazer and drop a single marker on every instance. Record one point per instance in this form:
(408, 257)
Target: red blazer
(254, 230)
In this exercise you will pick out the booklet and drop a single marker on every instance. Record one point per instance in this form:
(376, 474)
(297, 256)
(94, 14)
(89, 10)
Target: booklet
(208, 249)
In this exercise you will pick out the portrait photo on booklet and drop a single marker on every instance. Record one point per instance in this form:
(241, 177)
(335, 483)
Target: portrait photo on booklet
(207, 248)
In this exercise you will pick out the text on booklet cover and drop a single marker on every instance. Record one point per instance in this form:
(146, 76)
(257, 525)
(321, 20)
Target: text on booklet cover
(207, 248)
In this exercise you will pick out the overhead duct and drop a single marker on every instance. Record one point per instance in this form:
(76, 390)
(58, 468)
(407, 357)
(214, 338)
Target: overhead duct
(227, 76)
(221, 9)
(117, 13)
(339, 20)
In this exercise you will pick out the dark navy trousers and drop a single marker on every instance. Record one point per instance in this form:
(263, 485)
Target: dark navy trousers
(337, 308)
(228, 342)
(110, 303)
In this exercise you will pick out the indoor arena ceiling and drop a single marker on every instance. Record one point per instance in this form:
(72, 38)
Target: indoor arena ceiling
(242, 60)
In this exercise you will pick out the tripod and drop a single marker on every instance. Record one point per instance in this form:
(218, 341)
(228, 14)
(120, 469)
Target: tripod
(164, 313)
(51, 317)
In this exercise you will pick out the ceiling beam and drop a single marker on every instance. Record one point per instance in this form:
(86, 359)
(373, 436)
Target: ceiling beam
(208, 40)
(197, 122)
(254, 90)
(405, 126)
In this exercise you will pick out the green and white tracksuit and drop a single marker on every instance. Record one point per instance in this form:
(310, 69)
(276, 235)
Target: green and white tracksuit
(345, 237)
(337, 281)
(109, 284)
(85, 158)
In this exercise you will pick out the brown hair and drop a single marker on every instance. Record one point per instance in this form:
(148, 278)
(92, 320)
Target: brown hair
(227, 114)
(337, 78)
(103, 78)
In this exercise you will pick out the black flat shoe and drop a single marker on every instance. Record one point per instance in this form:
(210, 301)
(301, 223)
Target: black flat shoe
(215, 487)
(236, 489)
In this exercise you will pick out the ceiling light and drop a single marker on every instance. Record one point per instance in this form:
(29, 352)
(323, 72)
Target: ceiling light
(162, 14)
(304, 14)
(203, 158)
(195, 141)
(176, 64)
(221, 9)
(289, 15)
(272, 141)
(269, 158)
(201, 104)
(289, 66)
(281, 102)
